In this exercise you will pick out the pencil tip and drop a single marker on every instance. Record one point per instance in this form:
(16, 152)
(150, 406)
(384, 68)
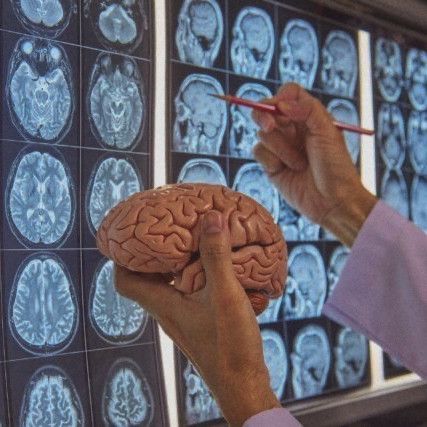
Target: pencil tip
(217, 96)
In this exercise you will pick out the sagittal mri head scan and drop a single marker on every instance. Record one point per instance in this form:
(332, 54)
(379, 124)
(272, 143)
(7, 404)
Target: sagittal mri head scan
(40, 199)
(40, 90)
(339, 64)
(43, 310)
(253, 43)
(200, 405)
(311, 360)
(299, 53)
(253, 181)
(276, 359)
(391, 135)
(206, 171)
(345, 111)
(51, 399)
(416, 78)
(395, 192)
(388, 69)
(116, 319)
(200, 119)
(417, 141)
(200, 32)
(127, 399)
(306, 289)
(111, 182)
(272, 312)
(351, 357)
(308, 230)
(418, 201)
(336, 266)
(243, 132)
(288, 220)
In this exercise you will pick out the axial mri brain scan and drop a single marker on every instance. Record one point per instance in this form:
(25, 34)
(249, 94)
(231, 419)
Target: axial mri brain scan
(395, 192)
(336, 266)
(200, 119)
(40, 90)
(416, 78)
(253, 43)
(417, 141)
(299, 53)
(40, 197)
(204, 171)
(244, 131)
(418, 201)
(200, 32)
(116, 101)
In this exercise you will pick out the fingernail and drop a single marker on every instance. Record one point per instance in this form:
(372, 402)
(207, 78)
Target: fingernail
(212, 222)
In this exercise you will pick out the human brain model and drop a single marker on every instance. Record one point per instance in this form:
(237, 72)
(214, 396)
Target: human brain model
(157, 231)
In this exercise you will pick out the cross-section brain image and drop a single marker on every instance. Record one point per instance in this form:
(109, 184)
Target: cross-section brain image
(199, 32)
(351, 357)
(276, 359)
(339, 64)
(299, 53)
(112, 181)
(288, 220)
(252, 44)
(244, 130)
(336, 266)
(416, 78)
(116, 319)
(200, 119)
(308, 230)
(388, 69)
(40, 90)
(271, 313)
(40, 198)
(394, 191)
(43, 309)
(418, 201)
(391, 135)
(127, 399)
(345, 111)
(253, 181)
(204, 171)
(51, 399)
(417, 141)
(116, 101)
(311, 360)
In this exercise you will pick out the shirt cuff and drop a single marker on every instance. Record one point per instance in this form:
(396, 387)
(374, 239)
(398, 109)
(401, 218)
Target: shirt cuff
(276, 417)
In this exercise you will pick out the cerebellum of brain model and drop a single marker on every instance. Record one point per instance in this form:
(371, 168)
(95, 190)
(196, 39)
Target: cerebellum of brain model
(157, 231)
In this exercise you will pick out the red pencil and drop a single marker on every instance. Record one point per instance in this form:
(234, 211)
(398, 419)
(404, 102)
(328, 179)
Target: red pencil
(274, 110)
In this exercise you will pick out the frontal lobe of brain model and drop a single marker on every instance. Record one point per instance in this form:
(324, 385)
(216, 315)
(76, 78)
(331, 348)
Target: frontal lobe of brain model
(158, 231)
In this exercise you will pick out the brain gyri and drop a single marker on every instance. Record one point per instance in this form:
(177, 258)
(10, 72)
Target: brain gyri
(157, 231)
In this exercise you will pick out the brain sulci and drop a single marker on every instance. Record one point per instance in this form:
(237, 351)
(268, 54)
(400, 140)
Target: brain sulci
(157, 231)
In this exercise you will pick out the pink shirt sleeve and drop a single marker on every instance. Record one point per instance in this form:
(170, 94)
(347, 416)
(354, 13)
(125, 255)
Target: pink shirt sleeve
(277, 417)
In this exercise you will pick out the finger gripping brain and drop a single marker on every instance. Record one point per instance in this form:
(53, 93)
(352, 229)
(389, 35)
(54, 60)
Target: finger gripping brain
(158, 231)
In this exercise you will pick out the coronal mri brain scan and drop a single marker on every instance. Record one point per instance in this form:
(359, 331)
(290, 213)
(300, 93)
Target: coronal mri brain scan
(112, 181)
(391, 135)
(416, 77)
(299, 53)
(40, 198)
(116, 319)
(339, 64)
(127, 399)
(253, 43)
(40, 90)
(417, 141)
(116, 101)
(200, 32)
(336, 266)
(205, 171)
(351, 357)
(418, 201)
(243, 132)
(253, 181)
(43, 310)
(200, 119)
(51, 399)
(311, 360)
(394, 191)
(388, 69)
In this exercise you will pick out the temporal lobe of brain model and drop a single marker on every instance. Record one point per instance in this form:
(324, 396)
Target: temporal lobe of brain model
(157, 231)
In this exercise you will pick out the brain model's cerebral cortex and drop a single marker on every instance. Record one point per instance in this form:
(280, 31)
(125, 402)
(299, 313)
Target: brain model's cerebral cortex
(39, 90)
(116, 100)
(417, 138)
(40, 198)
(127, 398)
(394, 191)
(43, 310)
(200, 119)
(158, 231)
(112, 181)
(244, 131)
(51, 399)
(200, 31)
(336, 266)
(116, 319)
(204, 171)
(418, 204)
(416, 78)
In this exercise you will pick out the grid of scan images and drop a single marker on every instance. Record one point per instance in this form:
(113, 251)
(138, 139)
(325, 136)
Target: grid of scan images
(400, 98)
(249, 49)
(76, 137)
